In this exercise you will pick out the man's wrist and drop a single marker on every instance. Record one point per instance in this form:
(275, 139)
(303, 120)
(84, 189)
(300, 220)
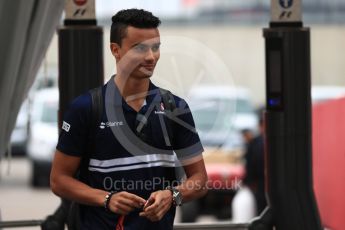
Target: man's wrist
(176, 196)
(107, 199)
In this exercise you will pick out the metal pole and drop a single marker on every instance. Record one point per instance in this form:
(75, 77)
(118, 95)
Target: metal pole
(213, 226)
(20, 223)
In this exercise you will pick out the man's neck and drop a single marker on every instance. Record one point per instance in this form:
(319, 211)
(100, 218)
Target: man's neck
(133, 90)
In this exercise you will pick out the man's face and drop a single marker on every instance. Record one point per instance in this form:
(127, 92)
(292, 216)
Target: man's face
(139, 52)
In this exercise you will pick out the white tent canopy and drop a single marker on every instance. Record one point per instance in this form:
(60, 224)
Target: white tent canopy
(27, 27)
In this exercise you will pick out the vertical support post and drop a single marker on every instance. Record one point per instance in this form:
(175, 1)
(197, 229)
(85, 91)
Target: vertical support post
(80, 52)
(288, 155)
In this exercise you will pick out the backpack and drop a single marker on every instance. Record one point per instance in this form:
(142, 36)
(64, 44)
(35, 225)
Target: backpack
(96, 116)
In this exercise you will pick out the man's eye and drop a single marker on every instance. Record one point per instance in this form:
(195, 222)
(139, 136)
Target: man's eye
(155, 48)
(140, 48)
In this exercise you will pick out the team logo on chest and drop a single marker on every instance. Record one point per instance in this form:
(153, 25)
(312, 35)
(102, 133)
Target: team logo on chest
(162, 109)
(108, 124)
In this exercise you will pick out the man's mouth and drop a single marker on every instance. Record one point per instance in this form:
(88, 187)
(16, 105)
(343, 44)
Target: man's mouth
(148, 67)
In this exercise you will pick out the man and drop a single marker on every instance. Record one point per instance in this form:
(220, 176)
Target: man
(128, 179)
(255, 176)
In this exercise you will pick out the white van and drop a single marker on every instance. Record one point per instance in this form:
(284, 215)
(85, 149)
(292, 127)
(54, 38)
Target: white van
(43, 134)
(220, 113)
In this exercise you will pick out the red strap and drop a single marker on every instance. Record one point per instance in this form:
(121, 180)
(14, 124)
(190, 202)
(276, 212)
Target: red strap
(120, 221)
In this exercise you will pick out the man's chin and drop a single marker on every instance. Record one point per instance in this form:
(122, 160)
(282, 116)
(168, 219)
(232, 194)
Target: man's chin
(141, 76)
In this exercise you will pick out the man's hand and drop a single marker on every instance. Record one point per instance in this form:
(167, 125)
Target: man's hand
(123, 203)
(157, 205)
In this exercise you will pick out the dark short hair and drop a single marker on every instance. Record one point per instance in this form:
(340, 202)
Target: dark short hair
(138, 18)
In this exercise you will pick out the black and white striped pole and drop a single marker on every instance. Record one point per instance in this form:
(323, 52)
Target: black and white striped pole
(288, 153)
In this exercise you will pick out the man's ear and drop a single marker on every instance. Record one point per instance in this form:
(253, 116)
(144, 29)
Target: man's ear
(115, 50)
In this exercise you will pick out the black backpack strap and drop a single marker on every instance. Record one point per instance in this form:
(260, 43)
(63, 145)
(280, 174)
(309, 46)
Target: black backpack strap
(97, 108)
(170, 110)
(170, 106)
(96, 116)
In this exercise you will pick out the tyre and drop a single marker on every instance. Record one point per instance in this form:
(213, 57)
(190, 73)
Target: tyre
(40, 176)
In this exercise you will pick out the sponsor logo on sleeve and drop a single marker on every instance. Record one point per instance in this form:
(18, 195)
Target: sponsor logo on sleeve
(66, 126)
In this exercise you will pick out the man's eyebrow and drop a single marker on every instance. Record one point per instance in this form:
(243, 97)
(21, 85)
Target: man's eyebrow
(134, 45)
(140, 43)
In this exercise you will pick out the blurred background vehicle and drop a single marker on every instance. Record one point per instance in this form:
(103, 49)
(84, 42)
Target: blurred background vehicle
(322, 93)
(43, 134)
(20, 133)
(45, 78)
(221, 114)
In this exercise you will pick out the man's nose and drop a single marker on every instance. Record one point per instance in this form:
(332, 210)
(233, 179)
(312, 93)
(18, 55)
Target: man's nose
(149, 55)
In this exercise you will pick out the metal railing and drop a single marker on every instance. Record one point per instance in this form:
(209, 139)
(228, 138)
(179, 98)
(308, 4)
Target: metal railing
(213, 226)
(20, 223)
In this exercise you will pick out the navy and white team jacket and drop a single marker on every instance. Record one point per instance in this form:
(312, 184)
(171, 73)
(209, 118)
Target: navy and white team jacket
(125, 159)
